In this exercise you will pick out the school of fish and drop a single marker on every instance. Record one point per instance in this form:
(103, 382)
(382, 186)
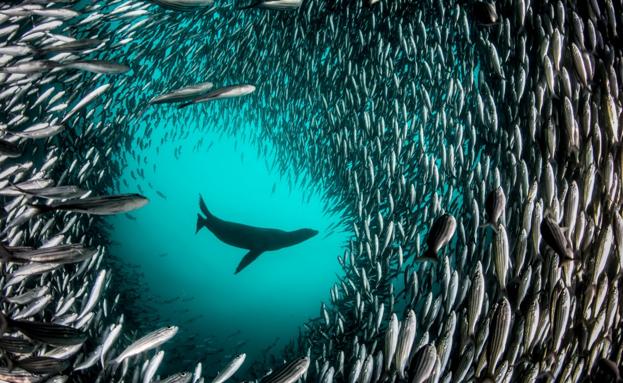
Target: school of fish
(474, 146)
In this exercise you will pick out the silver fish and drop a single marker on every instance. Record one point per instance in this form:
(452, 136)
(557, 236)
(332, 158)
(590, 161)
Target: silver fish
(288, 373)
(148, 342)
(230, 369)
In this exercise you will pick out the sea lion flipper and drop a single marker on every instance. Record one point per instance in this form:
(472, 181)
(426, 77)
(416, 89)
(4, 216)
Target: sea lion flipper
(203, 207)
(201, 222)
(248, 258)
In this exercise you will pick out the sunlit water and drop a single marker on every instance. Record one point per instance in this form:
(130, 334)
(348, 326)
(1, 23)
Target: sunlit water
(190, 277)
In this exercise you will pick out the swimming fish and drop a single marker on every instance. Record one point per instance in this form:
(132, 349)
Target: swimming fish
(99, 205)
(231, 91)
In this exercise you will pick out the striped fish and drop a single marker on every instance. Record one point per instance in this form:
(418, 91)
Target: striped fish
(495, 205)
(391, 340)
(405, 342)
(501, 256)
(148, 342)
(289, 372)
(230, 369)
(501, 327)
(422, 364)
(476, 298)
(440, 233)
(553, 236)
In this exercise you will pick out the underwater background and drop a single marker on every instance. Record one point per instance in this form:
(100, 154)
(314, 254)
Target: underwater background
(461, 160)
(188, 279)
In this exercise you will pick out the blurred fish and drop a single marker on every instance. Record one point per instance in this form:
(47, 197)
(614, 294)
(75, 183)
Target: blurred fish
(100, 205)
(221, 93)
(279, 5)
(182, 94)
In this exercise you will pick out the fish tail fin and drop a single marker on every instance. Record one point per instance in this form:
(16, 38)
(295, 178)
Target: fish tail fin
(201, 222)
(41, 208)
(5, 256)
(428, 255)
(53, 64)
(247, 6)
(471, 341)
(19, 189)
(488, 225)
(10, 362)
(567, 261)
(4, 323)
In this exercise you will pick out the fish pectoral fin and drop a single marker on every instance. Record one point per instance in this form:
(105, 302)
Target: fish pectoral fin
(248, 258)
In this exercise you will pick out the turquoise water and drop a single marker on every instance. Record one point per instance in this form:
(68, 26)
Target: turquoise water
(189, 278)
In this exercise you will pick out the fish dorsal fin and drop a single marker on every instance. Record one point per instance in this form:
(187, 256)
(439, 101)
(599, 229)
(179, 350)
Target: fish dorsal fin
(248, 258)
